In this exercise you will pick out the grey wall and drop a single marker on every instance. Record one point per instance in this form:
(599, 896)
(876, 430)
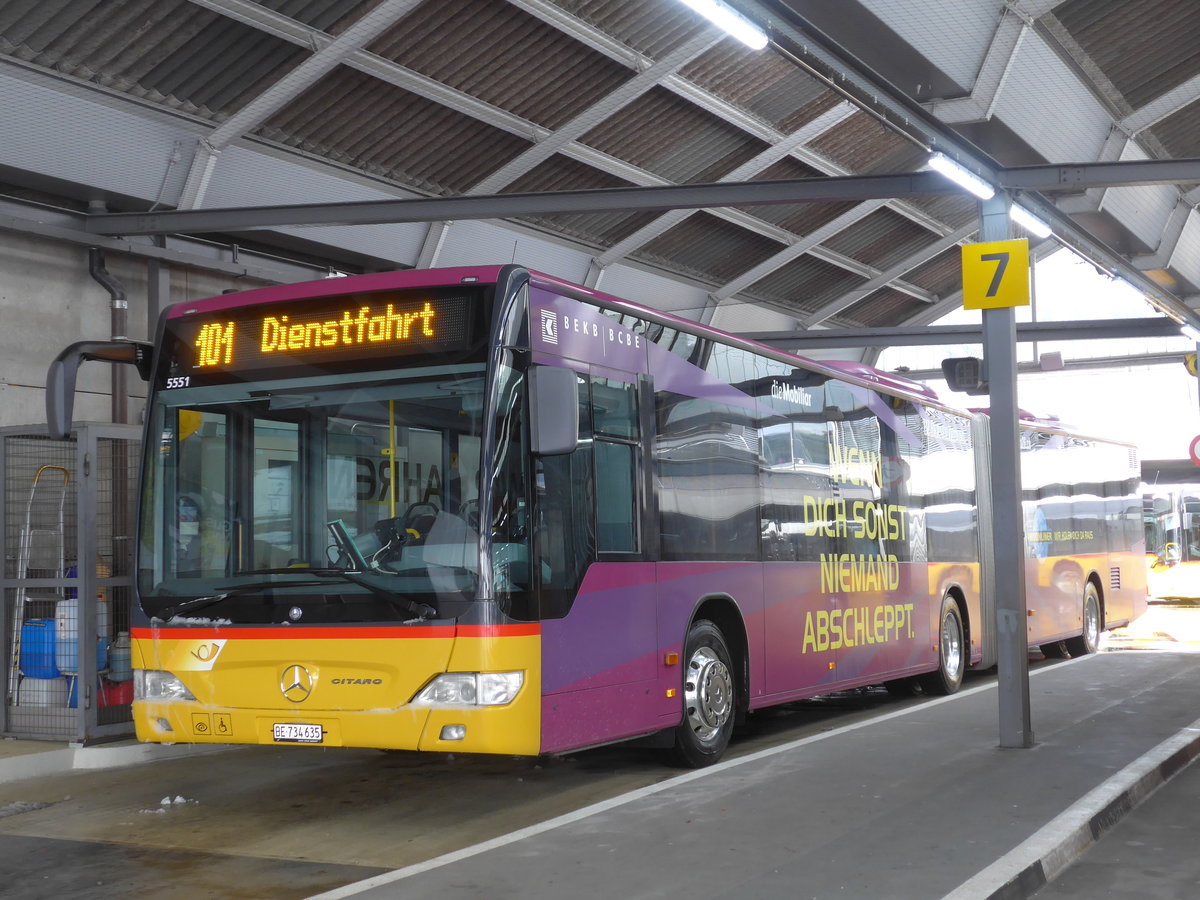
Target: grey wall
(48, 300)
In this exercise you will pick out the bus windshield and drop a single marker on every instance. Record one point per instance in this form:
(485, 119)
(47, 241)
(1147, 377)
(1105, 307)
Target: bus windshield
(330, 498)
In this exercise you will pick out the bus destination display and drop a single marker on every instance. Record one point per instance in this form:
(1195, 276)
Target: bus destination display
(338, 329)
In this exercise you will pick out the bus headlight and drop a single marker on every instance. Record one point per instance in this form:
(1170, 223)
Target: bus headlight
(152, 684)
(471, 689)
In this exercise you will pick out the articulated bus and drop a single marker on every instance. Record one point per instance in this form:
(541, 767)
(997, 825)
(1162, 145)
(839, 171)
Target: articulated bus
(1172, 519)
(485, 510)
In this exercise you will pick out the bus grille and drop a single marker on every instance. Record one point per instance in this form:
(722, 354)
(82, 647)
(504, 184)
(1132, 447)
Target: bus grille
(1114, 578)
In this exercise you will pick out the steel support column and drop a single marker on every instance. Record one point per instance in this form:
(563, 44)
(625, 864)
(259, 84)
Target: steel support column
(1000, 366)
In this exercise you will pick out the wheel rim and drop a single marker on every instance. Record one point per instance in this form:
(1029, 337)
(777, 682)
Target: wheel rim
(707, 694)
(951, 646)
(1091, 620)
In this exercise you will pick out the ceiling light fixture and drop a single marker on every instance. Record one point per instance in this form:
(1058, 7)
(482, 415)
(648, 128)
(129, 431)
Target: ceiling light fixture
(1029, 221)
(964, 178)
(730, 21)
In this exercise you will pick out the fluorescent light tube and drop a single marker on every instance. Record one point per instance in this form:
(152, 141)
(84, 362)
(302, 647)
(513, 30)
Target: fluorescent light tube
(1029, 221)
(730, 21)
(939, 162)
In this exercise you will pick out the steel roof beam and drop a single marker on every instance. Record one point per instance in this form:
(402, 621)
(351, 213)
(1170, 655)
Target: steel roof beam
(285, 90)
(68, 226)
(1161, 107)
(931, 335)
(596, 113)
(602, 43)
(1168, 240)
(786, 255)
(762, 161)
(1085, 363)
(813, 48)
(498, 206)
(1035, 9)
(569, 133)
(1120, 173)
(285, 28)
(998, 61)
(885, 278)
(684, 196)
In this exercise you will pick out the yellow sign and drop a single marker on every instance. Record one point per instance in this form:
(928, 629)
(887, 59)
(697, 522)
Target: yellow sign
(996, 274)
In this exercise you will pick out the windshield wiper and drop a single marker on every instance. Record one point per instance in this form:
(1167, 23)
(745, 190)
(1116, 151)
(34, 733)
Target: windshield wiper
(359, 577)
(403, 604)
(420, 610)
(169, 612)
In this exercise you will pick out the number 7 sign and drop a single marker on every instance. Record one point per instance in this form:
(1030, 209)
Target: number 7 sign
(995, 274)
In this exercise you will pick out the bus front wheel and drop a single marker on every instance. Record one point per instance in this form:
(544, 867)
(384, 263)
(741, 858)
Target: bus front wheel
(709, 697)
(952, 658)
(1089, 641)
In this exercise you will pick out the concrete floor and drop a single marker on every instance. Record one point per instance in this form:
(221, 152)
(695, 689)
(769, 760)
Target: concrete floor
(856, 795)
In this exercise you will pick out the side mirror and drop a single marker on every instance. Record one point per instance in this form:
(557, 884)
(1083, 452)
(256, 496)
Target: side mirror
(553, 410)
(965, 373)
(60, 379)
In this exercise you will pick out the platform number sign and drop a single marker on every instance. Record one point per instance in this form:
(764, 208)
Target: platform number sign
(995, 274)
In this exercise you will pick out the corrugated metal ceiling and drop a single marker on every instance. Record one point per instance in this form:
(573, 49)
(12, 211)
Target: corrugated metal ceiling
(450, 92)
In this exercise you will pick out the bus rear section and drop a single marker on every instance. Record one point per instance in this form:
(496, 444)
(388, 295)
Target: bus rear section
(1083, 541)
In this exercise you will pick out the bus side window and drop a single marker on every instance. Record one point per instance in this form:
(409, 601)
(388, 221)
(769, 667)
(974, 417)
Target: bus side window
(565, 500)
(614, 409)
(615, 494)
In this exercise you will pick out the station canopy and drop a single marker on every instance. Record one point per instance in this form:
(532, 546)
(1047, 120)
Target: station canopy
(161, 107)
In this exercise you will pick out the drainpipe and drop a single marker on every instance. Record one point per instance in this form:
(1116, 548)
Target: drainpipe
(122, 545)
(120, 316)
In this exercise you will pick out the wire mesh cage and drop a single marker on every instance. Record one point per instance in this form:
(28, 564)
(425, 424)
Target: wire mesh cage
(66, 508)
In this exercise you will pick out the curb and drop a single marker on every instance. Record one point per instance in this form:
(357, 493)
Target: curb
(72, 758)
(1042, 857)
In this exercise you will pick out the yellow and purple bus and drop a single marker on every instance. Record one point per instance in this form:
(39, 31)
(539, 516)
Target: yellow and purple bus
(485, 510)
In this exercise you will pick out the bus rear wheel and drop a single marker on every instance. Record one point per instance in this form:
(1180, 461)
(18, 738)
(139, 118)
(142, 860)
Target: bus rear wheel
(1057, 650)
(952, 658)
(709, 697)
(1089, 641)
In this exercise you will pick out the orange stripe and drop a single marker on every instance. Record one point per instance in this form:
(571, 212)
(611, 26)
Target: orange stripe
(336, 632)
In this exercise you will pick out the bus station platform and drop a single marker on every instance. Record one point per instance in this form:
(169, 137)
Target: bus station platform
(917, 801)
(920, 803)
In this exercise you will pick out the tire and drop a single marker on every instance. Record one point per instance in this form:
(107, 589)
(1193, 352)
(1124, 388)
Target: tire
(709, 697)
(1089, 641)
(1054, 651)
(902, 687)
(952, 659)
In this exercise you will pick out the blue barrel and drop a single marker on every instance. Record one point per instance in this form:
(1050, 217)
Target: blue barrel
(38, 649)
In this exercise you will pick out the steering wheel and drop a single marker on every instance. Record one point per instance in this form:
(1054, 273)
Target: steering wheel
(469, 511)
(415, 515)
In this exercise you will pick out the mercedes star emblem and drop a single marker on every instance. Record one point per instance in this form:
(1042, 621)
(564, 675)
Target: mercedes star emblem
(296, 683)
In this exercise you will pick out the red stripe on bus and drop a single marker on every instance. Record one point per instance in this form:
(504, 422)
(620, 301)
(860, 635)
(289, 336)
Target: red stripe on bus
(529, 629)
